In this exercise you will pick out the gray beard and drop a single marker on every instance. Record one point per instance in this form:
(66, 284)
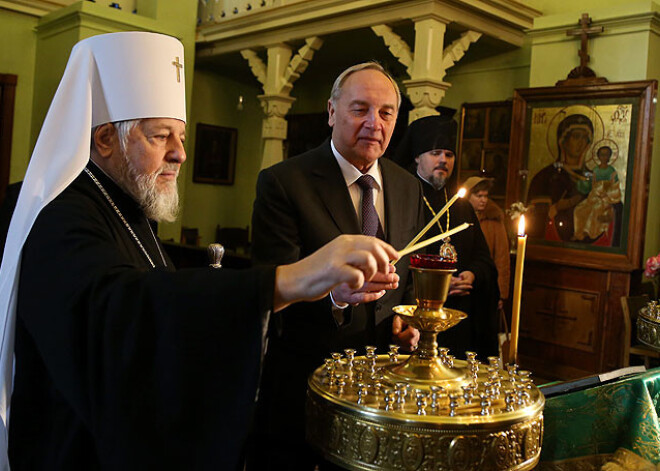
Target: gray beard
(158, 205)
(437, 182)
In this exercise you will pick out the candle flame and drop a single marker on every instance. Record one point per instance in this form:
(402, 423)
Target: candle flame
(521, 226)
(461, 192)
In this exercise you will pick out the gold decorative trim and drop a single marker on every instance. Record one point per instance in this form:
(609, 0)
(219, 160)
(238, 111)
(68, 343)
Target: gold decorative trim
(648, 332)
(358, 442)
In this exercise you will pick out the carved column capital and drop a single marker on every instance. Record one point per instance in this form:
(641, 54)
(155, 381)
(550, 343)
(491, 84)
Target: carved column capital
(425, 95)
(276, 105)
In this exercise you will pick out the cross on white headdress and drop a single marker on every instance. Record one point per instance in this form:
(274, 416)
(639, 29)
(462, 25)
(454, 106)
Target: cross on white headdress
(178, 66)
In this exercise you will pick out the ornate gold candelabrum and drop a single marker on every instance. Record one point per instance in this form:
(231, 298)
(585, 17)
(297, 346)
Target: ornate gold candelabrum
(648, 325)
(427, 410)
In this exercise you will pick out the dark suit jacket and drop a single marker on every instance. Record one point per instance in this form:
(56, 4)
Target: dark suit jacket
(302, 204)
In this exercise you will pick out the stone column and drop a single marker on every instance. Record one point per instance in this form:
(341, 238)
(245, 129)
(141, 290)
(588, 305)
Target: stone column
(276, 103)
(277, 78)
(274, 127)
(425, 87)
(428, 65)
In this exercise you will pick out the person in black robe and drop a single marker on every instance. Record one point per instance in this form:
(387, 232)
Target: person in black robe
(6, 211)
(427, 150)
(121, 361)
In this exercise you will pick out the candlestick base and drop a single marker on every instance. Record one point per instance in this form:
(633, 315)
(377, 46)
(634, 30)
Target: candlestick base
(424, 366)
(428, 410)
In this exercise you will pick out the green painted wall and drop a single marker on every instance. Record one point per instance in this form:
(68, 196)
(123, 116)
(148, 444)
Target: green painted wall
(490, 79)
(553, 7)
(625, 40)
(17, 56)
(214, 101)
(652, 236)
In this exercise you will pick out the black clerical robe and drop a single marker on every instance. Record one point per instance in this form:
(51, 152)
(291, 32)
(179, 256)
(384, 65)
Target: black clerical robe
(123, 366)
(479, 331)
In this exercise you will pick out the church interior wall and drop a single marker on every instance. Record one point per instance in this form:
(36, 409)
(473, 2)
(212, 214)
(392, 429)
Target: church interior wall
(554, 7)
(313, 98)
(214, 101)
(554, 53)
(17, 57)
(628, 50)
(491, 79)
(652, 236)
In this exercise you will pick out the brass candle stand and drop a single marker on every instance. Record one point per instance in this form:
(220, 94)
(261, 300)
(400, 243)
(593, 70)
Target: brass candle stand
(427, 410)
(648, 325)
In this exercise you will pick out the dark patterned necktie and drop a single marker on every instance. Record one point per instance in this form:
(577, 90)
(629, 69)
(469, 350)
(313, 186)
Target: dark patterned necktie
(370, 223)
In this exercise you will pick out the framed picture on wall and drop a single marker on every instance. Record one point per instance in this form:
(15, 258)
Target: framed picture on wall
(495, 166)
(215, 154)
(471, 153)
(483, 148)
(580, 159)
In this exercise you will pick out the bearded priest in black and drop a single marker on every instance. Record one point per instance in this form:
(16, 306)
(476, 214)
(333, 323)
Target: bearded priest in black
(428, 150)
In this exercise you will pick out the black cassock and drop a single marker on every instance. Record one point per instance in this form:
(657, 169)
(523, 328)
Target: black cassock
(123, 366)
(479, 331)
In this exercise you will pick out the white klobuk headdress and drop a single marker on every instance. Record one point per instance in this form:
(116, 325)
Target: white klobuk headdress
(110, 77)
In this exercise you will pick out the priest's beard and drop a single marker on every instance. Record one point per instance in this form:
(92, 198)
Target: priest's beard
(437, 182)
(159, 202)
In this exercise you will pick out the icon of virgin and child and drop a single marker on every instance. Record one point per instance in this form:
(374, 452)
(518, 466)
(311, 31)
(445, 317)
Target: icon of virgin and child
(578, 196)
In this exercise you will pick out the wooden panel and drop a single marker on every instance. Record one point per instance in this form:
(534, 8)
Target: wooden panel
(560, 316)
(618, 284)
(571, 320)
(577, 315)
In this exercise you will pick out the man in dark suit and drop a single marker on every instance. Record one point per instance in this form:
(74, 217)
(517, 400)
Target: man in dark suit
(340, 187)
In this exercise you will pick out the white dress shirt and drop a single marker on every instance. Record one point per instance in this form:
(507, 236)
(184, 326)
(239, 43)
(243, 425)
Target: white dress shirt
(351, 175)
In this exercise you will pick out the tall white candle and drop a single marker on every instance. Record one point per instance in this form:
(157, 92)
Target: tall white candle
(517, 291)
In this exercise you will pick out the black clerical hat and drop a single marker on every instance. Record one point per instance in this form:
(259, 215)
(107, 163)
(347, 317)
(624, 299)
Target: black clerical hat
(423, 135)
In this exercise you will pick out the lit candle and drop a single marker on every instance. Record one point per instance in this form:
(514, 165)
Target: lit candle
(517, 291)
(445, 208)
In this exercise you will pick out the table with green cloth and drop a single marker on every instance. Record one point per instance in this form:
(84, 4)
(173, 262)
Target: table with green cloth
(613, 427)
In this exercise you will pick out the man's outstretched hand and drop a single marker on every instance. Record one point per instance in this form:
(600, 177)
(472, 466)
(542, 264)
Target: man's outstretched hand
(369, 291)
(348, 260)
